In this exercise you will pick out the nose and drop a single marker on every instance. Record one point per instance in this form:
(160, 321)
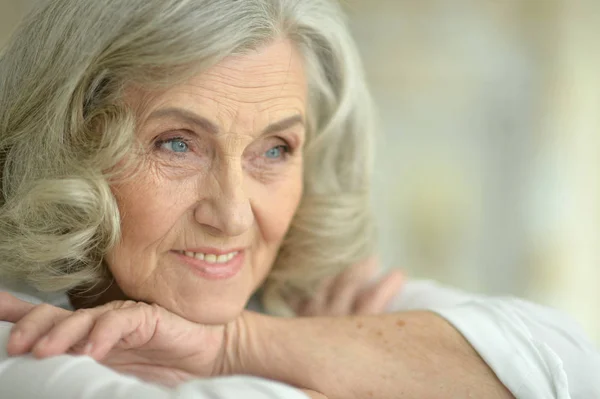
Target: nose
(224, 208)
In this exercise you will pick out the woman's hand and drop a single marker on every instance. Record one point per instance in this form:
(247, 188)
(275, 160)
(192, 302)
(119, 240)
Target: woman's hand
(130, 337)
(353, 292)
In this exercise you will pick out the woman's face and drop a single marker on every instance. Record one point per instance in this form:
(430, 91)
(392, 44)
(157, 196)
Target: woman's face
(203, 220)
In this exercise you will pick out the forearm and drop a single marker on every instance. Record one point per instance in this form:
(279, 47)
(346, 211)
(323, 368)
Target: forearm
(402, 355)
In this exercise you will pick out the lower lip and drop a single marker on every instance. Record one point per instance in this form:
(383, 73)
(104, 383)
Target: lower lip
(214, 271)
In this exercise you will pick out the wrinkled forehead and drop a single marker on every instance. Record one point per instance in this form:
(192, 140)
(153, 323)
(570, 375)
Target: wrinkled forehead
(247, 90)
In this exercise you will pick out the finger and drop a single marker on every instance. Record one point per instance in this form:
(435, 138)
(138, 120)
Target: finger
(65, 335)
(12, 309)
(348, 285)
(316, 304)
(71, 332)
(376, 298)
(134, 326)
(34, 325)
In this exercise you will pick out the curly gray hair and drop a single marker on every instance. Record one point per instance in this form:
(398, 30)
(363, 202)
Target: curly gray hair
(63, 125)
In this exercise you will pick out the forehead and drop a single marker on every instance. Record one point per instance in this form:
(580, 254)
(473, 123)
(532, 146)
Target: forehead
(254, 88)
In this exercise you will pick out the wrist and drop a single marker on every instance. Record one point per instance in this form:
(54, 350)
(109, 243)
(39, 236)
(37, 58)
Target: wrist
(248, 346)
(232, 356)
(288, 350)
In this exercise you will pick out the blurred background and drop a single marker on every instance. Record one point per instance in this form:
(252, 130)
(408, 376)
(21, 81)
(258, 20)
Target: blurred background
(487, 174)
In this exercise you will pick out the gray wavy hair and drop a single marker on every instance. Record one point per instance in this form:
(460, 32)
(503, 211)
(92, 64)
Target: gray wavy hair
(63, 125)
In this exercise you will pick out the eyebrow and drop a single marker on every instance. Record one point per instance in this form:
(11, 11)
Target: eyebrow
(206, 125)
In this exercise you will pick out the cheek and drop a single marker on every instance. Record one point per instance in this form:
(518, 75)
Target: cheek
(149, 207)
(149, 210)
(275, 208)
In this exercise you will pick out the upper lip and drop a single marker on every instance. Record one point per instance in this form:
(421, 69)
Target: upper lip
(213, 251)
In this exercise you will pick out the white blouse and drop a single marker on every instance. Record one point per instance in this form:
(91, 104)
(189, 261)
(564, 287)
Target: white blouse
(536, 352)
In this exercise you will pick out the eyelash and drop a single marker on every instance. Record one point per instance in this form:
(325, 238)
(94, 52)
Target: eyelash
(160, 142)
(287, 150)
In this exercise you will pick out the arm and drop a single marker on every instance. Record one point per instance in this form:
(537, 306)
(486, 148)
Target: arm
(535, 351)
(70, 377)
(402, 355)
(466, 345)
(409, 354)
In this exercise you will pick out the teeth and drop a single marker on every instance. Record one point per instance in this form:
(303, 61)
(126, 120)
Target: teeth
(210, 258)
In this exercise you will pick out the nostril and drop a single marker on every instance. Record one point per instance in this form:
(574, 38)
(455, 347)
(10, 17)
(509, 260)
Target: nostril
(225, 215)
(238, 219)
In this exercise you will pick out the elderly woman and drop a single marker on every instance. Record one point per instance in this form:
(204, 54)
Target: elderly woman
(165, 161)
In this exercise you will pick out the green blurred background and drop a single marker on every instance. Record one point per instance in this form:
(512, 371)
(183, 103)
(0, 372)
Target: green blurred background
(487, 173)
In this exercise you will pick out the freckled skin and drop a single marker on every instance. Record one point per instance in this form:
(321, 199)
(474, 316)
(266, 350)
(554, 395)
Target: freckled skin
(223, 192)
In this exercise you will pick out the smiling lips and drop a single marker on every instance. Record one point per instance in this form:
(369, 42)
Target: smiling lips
(212, 266)
(210, 258)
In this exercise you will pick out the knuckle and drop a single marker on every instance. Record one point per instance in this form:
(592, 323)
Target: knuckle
(109, 317)
(85, 314)
(153, 307)
(106, 324)
(154, 311)
(130, 304)
(46, 308)
(116, 305)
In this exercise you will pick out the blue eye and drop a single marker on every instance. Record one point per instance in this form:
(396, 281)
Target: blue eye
(175, 145)
(276, 152)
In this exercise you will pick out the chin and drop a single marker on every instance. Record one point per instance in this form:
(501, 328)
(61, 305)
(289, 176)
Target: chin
(216, 312)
